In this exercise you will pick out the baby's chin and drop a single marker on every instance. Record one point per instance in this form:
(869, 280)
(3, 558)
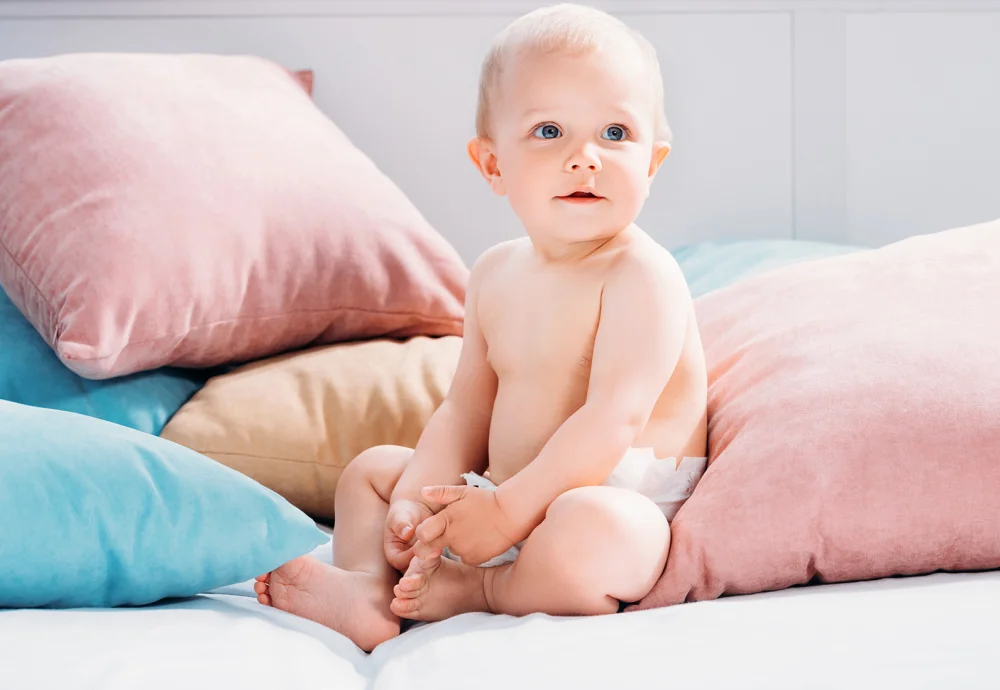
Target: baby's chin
(576, 229)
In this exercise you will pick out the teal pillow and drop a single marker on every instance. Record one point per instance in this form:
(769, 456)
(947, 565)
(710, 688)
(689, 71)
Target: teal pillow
(708, 266)
(96, 514)
(31, 373)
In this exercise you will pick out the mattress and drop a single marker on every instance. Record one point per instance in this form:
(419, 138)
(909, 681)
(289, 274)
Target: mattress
(922, 632)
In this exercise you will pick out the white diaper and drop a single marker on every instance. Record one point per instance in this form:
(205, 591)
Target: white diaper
(663, 480)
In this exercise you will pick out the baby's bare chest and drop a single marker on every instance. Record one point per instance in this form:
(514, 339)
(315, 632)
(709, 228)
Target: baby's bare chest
(541, 328)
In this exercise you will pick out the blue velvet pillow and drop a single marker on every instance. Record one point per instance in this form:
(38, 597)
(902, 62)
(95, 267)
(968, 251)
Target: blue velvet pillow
(31, 373)
(96, 514)
(708, 266)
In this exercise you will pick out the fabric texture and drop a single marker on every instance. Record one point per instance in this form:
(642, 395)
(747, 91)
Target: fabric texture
(854, 430)
(96, 514)
(31, 374)
(294, 422)
(198, 210)
(708, 266)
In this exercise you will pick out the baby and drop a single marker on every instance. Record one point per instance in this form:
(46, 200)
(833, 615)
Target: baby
(577, 415)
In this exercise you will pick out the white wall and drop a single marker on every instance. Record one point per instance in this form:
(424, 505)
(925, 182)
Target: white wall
(838, 120)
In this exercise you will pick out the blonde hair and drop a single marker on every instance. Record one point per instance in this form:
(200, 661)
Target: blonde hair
(564, 28)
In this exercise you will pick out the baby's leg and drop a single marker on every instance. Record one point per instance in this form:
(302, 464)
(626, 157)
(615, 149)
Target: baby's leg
(354, 594)
(597, 546)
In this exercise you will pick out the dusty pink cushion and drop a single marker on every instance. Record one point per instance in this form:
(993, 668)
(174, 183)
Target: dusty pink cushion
(305, 77)
(854, 422)
(196, 210)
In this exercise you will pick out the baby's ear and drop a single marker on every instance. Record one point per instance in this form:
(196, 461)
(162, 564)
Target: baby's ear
(484, 158)
(661, 150)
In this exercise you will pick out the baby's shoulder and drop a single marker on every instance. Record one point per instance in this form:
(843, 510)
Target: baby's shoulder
(643, 263)
(495, 257)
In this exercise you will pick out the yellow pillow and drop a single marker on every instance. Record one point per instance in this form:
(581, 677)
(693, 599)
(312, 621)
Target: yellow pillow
(294, 422)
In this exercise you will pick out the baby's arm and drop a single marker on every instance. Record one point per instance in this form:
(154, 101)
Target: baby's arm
(645, 309)
(456, 437)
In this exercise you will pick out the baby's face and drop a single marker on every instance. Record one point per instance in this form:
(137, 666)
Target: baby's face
(565, 126)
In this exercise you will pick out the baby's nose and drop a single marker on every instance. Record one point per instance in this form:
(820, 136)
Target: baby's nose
(585, 157)
(583, 160)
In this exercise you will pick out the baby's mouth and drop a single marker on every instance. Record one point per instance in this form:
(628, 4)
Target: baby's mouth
(581, 197)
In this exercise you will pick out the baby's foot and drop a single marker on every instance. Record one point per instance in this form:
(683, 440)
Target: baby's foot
(354, 604)
(438, 588)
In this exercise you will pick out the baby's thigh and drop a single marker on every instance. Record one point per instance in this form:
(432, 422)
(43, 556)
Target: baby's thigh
(615, 539)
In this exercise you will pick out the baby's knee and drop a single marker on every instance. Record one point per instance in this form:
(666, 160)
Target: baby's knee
(618, 536)
(379, 467)
(584, 509)
(610, 517)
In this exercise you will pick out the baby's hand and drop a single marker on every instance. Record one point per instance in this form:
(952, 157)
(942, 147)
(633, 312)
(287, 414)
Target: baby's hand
(400, 531)
(472, 526)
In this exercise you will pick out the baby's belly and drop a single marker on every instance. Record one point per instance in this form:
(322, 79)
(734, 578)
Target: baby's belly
(525, 416)
(528, 412)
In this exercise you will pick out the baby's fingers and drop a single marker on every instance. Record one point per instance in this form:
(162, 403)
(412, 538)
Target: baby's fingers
(402, 527)
(398, 551)
(432, 528)
(425, 552)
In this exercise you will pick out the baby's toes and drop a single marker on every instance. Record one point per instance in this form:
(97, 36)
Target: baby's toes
(262, 578)
(263, 593)
(410, 585)
(404, 607)
(407, 594)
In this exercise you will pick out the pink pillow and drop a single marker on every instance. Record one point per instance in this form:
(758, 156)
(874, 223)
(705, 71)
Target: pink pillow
(196, 210)
(305, 77)
(854, 429)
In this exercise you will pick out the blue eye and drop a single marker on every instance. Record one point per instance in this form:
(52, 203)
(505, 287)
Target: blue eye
(546, 132)
(614, 133)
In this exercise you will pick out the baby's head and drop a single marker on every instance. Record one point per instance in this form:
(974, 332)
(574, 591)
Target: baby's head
(571, 100)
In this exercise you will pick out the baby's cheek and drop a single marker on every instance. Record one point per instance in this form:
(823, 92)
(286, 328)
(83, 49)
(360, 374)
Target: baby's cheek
(526, 202)
(632, 196)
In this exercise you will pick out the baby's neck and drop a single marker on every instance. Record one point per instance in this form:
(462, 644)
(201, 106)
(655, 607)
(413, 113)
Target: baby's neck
(554, 251)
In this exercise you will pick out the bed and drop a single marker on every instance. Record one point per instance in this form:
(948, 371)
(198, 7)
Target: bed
(780, 109)
(921, 632)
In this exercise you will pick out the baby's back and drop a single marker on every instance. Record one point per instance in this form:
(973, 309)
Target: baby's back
(540, 322)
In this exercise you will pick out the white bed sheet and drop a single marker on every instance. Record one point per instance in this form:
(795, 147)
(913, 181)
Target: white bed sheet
(924, 632)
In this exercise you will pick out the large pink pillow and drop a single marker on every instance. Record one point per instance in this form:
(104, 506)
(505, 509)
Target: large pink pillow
(198, 209)
(854, 422)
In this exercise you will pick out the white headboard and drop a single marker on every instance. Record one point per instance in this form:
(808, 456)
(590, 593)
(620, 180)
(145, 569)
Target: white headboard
(843, 120)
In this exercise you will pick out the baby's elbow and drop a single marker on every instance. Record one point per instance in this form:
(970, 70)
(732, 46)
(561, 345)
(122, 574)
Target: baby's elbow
(625, 423)
(631, 426)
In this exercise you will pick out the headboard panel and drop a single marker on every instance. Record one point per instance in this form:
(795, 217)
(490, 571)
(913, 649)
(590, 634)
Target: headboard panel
(851, 121)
